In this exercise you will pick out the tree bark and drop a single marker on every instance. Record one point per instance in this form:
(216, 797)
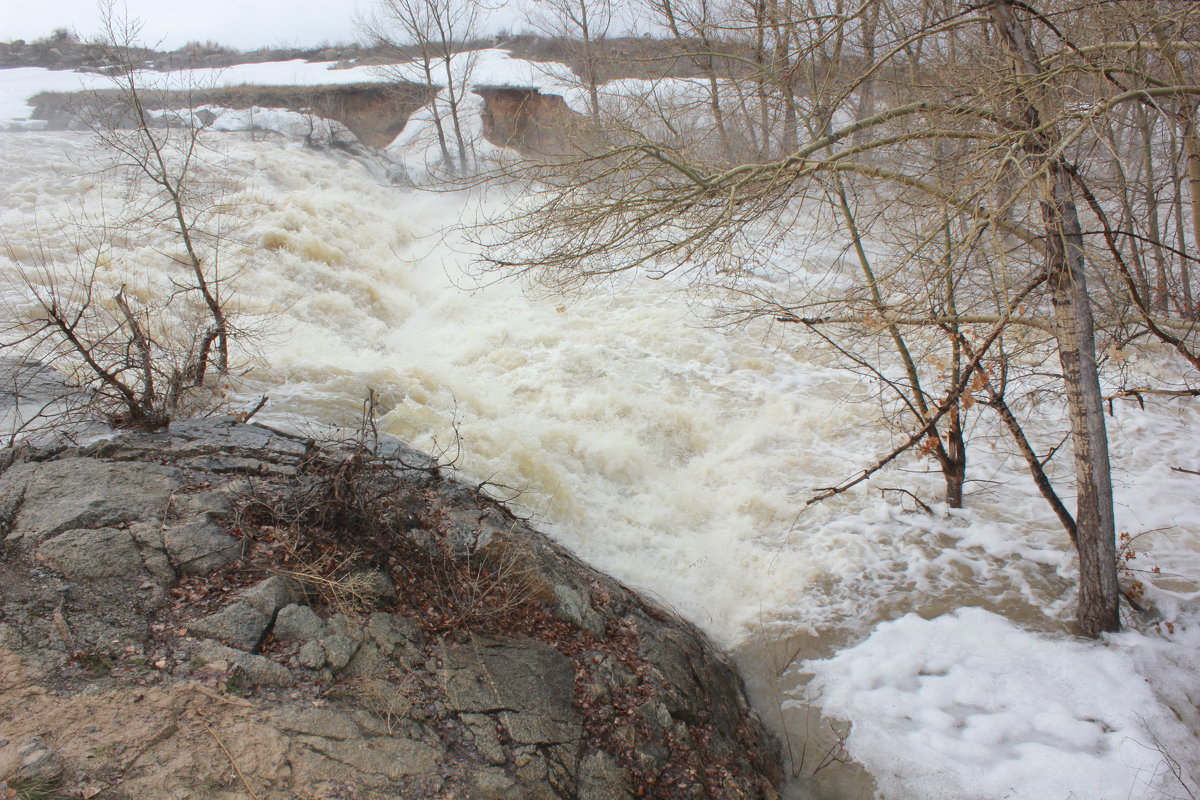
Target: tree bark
(1097, 609)
(1095, 543)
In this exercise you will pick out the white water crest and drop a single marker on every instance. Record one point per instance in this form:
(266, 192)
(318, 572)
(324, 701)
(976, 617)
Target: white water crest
(668, 453)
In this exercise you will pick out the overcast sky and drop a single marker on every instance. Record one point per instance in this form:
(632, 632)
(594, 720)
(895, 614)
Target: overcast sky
(245, 24)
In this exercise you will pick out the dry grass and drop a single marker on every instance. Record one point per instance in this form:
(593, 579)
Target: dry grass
(329, 575)
(354, 514)
(391, 701)
(29, 789)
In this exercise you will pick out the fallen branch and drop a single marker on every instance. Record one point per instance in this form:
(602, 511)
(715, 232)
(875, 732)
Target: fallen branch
(1137, 394)
(246, 417)
(883, 490)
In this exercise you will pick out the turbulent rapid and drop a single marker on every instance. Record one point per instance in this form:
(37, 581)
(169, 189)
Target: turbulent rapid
(677, 456)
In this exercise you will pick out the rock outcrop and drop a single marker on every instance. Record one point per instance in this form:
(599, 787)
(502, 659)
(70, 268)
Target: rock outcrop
(199, 613)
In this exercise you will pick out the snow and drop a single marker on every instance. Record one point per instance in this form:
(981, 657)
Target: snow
(491, 67)
(477, 68)
(969, 705)
(278, 120)
(19, 84)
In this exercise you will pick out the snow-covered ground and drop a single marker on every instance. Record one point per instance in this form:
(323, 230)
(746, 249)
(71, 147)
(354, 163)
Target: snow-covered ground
(676, 456)
(485, 67)
(968, 705)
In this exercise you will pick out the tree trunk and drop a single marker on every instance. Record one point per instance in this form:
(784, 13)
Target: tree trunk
(443, 145)
(1192, 146)
(954, 464)
(1158, 298)
(590, 72)
(1097, 609)
(455, 113)
(1184, 306)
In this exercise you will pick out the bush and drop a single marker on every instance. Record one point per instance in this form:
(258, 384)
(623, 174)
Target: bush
(361, 509)
(134, 354)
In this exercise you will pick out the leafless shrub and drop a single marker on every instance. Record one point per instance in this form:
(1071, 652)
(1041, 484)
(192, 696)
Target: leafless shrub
(477, 590)
(330, 575)
(61, 35)
(1176, 776)
(134, 363)
(361, 505)
(835, 752)
(207, 47)
(134, 350)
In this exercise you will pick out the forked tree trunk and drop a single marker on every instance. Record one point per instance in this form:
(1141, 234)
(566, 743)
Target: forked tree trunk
(952, 459)
(443, 144)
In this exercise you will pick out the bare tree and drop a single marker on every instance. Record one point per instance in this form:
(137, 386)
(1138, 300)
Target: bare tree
(164, 155)
(436, 32)
(967, 144)
(136, 353)
(585, 23)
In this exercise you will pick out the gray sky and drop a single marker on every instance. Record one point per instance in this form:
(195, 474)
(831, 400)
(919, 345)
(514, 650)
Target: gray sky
(244, 24)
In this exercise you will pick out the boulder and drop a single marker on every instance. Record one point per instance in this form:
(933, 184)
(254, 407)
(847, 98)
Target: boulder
(239, 625)
(199, 546)
(92, 554)
(312, 656)
(297, 621)
(257, 670)
(269, 596)
(39, 500)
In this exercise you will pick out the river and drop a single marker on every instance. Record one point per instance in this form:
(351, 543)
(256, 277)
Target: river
(663, 450)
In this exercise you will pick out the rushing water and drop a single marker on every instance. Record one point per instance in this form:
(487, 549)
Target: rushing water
(671, 454)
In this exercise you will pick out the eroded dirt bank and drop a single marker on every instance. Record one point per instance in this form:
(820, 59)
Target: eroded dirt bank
(374, 112)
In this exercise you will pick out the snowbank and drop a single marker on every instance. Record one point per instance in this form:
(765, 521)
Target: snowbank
(968, 705)
(479, 67)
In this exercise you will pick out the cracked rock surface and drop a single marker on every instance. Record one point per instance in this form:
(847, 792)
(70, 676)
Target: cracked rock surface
(180, 619)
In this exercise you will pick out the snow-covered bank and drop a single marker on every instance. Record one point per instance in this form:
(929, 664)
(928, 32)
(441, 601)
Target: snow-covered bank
(969, 705)
(481, 67)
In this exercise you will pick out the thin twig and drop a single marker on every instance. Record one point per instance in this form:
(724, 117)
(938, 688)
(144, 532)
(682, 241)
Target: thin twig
(883, 490)
(262, 401)
(228, 755)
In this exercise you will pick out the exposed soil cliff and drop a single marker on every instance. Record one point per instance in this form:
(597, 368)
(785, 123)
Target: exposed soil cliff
(524, 119)
(374, 112)
(221, 611)
(530, 122)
